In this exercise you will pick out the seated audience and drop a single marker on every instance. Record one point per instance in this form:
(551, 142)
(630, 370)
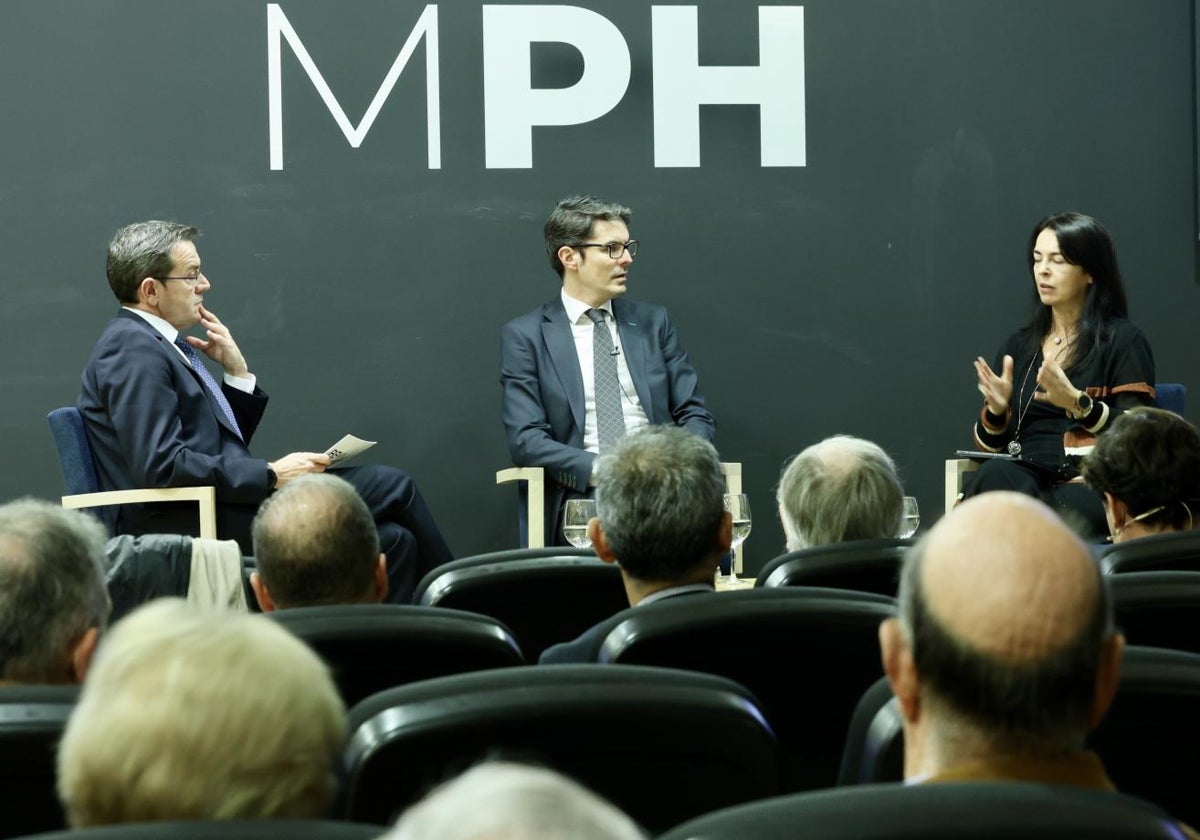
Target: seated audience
(53, 602)
(1147, 469)
(194, 714)
(504, 801)
(315, 543)
(1004, 655)
(660, 516)
(843, 488)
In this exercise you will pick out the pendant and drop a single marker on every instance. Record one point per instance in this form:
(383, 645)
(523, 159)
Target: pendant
(1014, 448)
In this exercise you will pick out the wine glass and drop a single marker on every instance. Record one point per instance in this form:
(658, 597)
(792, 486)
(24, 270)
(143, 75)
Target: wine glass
(576, 515)
(738, 505)
(910, 518)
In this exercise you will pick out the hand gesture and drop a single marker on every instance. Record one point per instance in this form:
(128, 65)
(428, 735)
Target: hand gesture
(220, 347)
(1056, 387)
(297, 464)
(996, 390)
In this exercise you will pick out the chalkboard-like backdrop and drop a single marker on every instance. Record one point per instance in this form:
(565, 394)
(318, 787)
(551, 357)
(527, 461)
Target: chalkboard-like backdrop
(834, 257)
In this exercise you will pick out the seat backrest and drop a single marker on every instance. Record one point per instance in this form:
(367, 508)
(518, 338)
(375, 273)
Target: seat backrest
(862, 565)
(1158, 609)
(806, 653)
(542, 600)
(372, 647)
(32, 719)
(944, 811)
(1139, 740)
(874, 749)
(74, 451)
(1177, 551)
(1170, 395)
(221, 830)
(661, 745)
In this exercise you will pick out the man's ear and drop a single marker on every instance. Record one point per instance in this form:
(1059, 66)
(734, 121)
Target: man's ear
(147, 291)
(725, 533)
(569, 257)
(1116, 512)
(261, 594)
(379, 590)
(600, 541)
(82, 653)
(900, 667)
(1108, 677)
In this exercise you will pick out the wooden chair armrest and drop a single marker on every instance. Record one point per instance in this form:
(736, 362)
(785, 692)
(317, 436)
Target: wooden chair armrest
(206, 497)
(956, 468)
(535, 499)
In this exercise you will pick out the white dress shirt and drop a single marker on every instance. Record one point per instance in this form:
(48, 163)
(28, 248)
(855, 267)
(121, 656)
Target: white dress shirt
(582, 329)
(242, 383)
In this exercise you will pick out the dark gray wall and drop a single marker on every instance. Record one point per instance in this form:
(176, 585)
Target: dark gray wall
(367, 291)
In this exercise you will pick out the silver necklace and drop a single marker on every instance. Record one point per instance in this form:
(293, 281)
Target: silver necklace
(1014, 445)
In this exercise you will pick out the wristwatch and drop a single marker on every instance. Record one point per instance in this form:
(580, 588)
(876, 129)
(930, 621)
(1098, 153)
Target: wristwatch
(1083, 406)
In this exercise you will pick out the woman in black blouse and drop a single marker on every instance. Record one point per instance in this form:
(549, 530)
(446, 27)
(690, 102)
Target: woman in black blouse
(1059, 381)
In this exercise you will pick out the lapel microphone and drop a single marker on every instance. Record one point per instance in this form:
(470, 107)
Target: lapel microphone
(616, 351)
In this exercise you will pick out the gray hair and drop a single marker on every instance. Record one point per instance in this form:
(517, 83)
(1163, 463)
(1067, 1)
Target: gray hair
(504, 801)
(315, 542)
(143, 250)
(52, 587)
(660, 498)
(1022, 706)
(843, 488)
(571, 221)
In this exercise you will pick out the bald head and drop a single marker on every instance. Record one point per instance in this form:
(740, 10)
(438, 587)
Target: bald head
(1006, 625)
(843, 488)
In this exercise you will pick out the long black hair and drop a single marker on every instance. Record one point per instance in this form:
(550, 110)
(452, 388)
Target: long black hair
(1084, 242)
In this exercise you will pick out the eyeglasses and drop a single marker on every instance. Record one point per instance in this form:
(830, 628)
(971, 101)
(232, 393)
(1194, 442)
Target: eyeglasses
(191, 279)
(615, 249)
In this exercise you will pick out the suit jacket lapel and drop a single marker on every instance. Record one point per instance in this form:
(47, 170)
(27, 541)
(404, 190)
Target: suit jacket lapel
(560, 344)
(633, 345)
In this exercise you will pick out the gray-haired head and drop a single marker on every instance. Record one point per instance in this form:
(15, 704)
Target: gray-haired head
(1007, 619)
(52, 589)
(505, 801)
(843, 488)
(571, 222)
(660, 501)
(143, 250)
(315, 542)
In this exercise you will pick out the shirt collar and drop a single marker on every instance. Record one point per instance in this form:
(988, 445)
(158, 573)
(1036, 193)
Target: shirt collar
(575, 308)
(168, 332)
(674, 590)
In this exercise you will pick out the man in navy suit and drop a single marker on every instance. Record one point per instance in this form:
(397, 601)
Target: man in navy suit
(155, 416)
(660, 516)
(548, 358)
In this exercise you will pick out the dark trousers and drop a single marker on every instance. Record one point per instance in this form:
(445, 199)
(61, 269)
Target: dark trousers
(1079, 505)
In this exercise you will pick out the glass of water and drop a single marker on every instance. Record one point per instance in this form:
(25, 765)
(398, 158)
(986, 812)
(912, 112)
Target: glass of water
(738, 505)
(576, 515)
(910, 518)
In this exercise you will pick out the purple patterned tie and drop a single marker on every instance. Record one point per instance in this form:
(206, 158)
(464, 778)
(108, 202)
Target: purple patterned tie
(193, 359)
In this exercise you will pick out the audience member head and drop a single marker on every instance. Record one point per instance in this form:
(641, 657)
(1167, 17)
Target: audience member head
(504, 801)
(315, 543)
(1005, 641)
(660, 509)
(53, 599)
(843, 488)
(1147, 467)
(193, 714)
(142, 250)
(570, 224)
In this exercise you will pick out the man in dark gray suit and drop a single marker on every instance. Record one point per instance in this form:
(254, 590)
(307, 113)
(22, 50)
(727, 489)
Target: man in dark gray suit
(550, 357)
(660, 516)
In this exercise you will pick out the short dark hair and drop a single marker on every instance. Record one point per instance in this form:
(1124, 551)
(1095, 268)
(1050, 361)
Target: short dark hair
(660, 498)
(1026, 705)
(826, 500)
(143, 250)
(571, 221)
(1149, 458)
(52, 587)
(315, 543)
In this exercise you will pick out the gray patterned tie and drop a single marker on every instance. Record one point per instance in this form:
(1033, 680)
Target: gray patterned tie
(610, 418)
(193, 359)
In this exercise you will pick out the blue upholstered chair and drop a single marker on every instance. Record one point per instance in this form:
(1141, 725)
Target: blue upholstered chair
(83, 485)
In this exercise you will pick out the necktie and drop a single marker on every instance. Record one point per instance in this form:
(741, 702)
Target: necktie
(610, 418)
(193, 359)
